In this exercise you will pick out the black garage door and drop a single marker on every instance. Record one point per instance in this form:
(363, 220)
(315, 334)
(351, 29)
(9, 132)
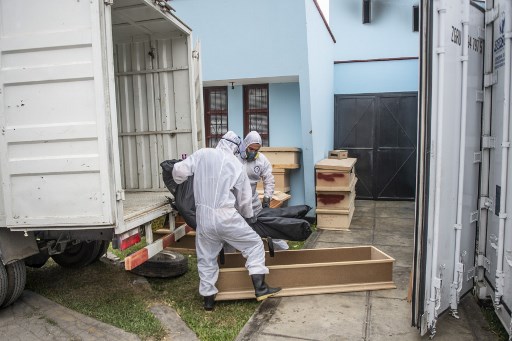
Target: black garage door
(380, 131)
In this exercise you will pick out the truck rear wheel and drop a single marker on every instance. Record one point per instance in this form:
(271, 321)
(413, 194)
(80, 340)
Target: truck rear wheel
(79, 255)
(37, 260)
(16, 280)
(3, 283)
(103, 249)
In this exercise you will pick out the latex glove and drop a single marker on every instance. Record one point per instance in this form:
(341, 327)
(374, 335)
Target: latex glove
(266, 202)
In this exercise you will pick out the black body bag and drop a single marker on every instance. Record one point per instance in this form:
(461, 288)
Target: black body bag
(278, 223)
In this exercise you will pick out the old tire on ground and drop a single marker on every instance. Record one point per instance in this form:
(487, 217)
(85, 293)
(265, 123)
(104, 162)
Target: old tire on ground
(79, 255)
(37, 260)
(17, 277)
(164, 264)
(3, 283)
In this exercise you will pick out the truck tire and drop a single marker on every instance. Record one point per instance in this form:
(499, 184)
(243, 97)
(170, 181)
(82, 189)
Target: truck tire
(16, 279)
(163, 265)
(103, 249)
(3, 283)
(37, 260)
(79, 255)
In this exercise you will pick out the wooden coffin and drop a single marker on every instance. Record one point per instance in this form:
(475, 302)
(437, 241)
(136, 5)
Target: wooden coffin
(282, 157)
(340, 200)
(281, 178)
(335, 175)
(312, 271)
(335, 219)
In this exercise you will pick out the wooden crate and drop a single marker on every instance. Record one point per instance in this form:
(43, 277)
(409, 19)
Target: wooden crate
(282, 157)
(340, 200)
(335, 175)
(338, 154)
(282, 180)
(310, 271)
(335, 219)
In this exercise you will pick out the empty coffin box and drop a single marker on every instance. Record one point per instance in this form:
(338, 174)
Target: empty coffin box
(335, 175)
(282, 157)
(312, 271)
(335, 219)
(281, 178)
(340, 200)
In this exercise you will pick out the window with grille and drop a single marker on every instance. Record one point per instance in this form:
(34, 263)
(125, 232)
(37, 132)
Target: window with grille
(256, 110)
(215, 114)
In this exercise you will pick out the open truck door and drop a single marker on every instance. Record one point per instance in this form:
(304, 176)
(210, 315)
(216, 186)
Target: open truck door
(55, 119)
(449, 157)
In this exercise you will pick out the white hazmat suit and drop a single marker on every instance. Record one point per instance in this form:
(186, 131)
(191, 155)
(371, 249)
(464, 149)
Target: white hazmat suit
(220, 182)
(260, 168)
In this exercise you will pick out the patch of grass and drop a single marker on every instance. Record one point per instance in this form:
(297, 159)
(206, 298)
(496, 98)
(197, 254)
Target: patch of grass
(490, 316)
(107, 293)
(101, 291)
(224, 323)
(124, 253)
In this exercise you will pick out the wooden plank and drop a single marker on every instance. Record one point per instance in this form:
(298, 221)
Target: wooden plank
(335, 219)
(328, 271)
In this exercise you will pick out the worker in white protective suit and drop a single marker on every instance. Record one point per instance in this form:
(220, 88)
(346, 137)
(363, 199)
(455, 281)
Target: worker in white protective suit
(259, 167)
(220, 183)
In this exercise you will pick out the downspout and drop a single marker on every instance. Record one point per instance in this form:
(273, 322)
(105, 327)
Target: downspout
(505, 144)
(435, 284)
(458, 268)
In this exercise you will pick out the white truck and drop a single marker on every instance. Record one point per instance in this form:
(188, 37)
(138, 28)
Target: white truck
(463, 234)
(94, 94)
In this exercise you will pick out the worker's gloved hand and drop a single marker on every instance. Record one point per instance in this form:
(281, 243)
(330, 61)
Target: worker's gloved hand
(251, 220)
(266, 202)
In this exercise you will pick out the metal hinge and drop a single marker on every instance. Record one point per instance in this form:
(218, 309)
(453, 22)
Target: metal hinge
(477, 157)
(486, 203)
(488, 142)
(120, 196)
(108, 2)
(473, 217)
(490, 79)
(492, 14)
(484, 262)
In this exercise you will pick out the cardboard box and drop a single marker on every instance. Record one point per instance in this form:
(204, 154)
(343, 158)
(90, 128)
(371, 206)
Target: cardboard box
(338, 154)
(310, 271)
(340, 200)
(282, 157)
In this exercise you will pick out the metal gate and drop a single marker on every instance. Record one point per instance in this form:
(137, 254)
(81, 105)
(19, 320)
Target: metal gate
(380, 131)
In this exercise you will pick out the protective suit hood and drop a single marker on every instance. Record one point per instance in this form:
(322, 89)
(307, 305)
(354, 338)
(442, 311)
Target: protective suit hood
(230, 142)
(252, 137)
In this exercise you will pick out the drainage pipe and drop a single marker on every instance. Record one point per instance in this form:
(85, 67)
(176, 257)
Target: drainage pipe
(458, 266)
(505, 144)
(435, 284)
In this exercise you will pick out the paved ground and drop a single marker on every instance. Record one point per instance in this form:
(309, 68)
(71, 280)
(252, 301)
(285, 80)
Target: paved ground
(370, 315)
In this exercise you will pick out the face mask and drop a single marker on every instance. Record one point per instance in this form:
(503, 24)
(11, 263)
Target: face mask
(251, 155)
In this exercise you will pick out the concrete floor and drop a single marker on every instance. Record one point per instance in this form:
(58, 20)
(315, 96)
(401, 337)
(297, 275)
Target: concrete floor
(370, 315)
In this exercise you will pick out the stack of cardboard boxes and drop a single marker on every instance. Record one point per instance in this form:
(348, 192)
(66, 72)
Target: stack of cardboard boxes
(335, 191)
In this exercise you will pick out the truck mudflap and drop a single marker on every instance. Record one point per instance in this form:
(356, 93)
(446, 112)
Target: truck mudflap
(154, 248)
(16, 245)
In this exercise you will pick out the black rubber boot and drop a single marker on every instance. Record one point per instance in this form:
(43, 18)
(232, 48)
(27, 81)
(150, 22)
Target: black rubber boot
(209, 302)
(261, 289)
